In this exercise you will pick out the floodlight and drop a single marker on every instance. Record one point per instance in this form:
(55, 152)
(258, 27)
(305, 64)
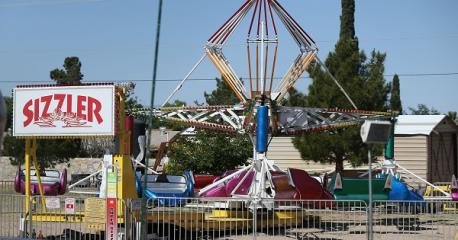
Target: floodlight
(375, 131)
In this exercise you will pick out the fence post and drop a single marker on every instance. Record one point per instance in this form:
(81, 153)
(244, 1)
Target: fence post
(255, 217)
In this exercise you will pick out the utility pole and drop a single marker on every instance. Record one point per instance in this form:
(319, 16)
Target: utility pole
(150, 125)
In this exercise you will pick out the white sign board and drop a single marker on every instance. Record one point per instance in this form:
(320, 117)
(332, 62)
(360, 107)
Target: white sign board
(52, 203)
(56, 111)
(69, 206)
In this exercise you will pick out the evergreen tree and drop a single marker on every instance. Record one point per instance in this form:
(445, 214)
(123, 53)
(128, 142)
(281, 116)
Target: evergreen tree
(9, 111)
(376, 90)
(70, 75)
(364, 81)
(222, 95)
(422, 109)
(296, 99)
(395, 100)
(453, 115)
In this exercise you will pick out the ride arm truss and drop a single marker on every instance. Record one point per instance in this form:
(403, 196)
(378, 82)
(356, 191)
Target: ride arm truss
(296, 120)
(284, 120)
(224, 118)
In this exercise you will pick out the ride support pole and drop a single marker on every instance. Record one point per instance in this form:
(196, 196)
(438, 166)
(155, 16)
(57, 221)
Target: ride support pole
(37, 171)
(28, 151)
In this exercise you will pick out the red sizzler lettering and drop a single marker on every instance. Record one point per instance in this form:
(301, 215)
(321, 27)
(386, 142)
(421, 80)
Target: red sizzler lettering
(47, 110)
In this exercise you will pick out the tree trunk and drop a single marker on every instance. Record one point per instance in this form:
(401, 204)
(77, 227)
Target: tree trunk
(339, 166)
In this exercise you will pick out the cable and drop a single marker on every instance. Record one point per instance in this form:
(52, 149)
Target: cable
(213, 79)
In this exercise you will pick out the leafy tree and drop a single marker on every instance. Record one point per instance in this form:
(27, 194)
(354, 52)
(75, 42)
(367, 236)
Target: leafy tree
(208, 153)
(366, 85)
(132, 102)
(211, 152)
(422, 109)
(395, 100)
(70, 75)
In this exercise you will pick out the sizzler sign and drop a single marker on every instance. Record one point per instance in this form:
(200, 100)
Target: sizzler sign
(64, 111)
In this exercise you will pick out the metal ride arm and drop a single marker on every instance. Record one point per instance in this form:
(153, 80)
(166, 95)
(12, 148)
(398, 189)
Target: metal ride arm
(294, 73)
(228, 74)
(296, 120)
(226, 118)
(291, 120)
(214, 53)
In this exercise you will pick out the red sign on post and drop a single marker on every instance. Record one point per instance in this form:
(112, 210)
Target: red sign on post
(69, 206)
(112, 220)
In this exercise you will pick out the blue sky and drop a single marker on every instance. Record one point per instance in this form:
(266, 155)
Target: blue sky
(115, 40)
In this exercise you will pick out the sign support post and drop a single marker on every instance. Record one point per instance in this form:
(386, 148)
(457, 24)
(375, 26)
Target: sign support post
(28, 209)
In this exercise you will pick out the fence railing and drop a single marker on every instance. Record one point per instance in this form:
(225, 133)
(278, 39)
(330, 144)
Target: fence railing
(417, 220)
(225, 218)
(6, 186)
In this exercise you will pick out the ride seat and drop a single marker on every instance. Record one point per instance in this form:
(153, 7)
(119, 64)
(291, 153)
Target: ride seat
(166, 184)
(48, 176)
(307, 186)
(283, 189)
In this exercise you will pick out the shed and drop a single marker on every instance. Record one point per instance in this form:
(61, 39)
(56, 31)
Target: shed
(427, 146)
(285, 155)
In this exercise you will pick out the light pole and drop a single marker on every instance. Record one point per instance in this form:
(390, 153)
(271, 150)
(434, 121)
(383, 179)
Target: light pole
(369, 213)
(150, 124)
(373, 132)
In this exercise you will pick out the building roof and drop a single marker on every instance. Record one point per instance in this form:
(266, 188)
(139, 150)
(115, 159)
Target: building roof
(157, 137)
(417, 124)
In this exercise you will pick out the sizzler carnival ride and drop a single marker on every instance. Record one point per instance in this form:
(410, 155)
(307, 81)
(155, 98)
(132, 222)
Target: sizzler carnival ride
(259, 113)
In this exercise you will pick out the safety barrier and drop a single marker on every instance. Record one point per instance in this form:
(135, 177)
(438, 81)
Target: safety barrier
(57, 217)
(306, 219)
(67, 217)
(417, 220)
(6, 187)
